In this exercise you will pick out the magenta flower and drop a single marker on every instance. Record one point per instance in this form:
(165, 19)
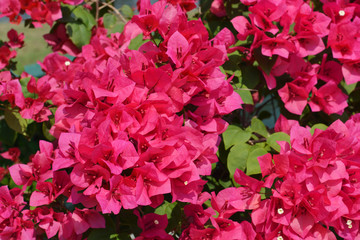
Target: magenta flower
(177, 48)
(294, 97)
(329, 98)
(44, 196)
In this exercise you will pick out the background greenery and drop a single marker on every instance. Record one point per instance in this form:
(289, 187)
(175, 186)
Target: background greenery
(35, 48)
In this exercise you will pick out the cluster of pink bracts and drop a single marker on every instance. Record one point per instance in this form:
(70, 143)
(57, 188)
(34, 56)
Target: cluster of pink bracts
(315, 185)
(292, 31)
(134, 125)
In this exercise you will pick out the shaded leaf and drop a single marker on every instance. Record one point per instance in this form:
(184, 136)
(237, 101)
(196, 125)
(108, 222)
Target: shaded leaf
(252, 163)
(78, 34)
(250, 76)
(234, 135)
(166, 208)
(278, 136)
(103, 233)
(257, 126)
(7, 135)
(45, 129)
(137, 42)
(237, 158)
(318, 126)
(348, 88)
(15, 121)
(109, 20)
(265, 62)
(84, 16)
(24, 82)
(245, 95)
(127, 11)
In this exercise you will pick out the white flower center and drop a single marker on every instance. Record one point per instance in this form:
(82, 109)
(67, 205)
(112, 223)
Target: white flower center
(67, 63)
(348, 222)
(186, 183)
(156, 222)
(342, 13)
(279, 238)
(280, 211)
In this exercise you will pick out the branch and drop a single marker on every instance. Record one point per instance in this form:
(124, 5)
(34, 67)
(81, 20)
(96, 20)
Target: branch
(97, 11)
(253, 142)
(117, 12)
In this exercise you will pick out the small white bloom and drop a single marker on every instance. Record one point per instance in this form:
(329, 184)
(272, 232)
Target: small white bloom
(348, 222)
(186, 183)
(156, 222)
(67, 63)
(279, 238)
(280, 211)
(342, 13)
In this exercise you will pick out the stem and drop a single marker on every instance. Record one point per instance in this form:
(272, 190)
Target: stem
(103, 6)
(117, 12)
(261, 106)
(273, 108)
(97, 11)
(141, 211)
(253, 142)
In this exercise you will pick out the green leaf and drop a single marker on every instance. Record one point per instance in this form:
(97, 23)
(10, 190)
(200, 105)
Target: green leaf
(205, 5)
(119, 27)
(67, 16)
(232, 65)
(237, 158)
(84, 16)
(225, 184)
(15, 121)
(245, 95)
(109, 20)
(24, 82)
(265, 62)
(348, 88)
(78, 34)
(252, 163)
(250, 76)
(234, 135)
(173, 212)
(278, 136)
(115, 236)
(7, 135)
(111, 23)
(103, 233)
(257, 126)
(318, 126)
(166, 208)
(127, 11)
(12, 184)
(45, 129)
(137, 42)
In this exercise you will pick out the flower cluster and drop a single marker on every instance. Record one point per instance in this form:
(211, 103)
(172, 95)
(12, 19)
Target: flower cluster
(214, 222)
(41, 12)
(132, 125)
(315, 184)
(17, 222)
(289, 33)
(7, 49)
(136, 117)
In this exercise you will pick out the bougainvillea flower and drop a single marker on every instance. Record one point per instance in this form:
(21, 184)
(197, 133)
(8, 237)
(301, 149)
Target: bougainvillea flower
(294, 97)
(328, 98)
